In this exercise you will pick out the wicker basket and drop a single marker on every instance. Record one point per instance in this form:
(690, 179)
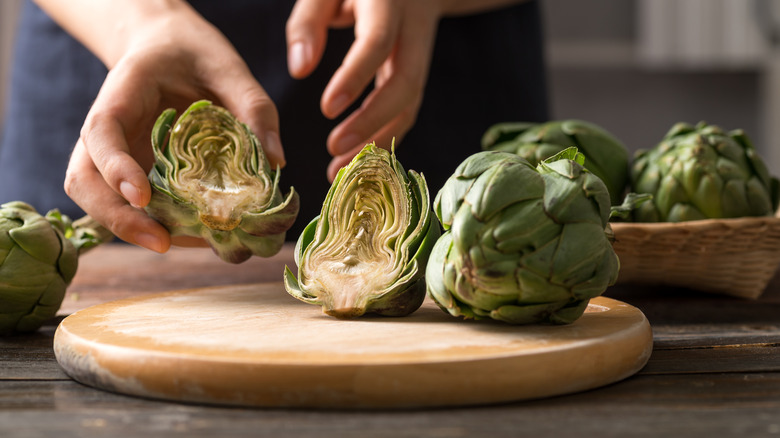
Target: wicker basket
(735, 257)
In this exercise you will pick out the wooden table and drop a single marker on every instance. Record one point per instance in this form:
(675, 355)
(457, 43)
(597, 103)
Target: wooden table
(714, 371)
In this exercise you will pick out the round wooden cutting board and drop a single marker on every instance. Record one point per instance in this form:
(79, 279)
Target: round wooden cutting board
(254, 345)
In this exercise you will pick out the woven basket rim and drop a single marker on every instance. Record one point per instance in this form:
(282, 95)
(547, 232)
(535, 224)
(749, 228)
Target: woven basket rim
(740, 222)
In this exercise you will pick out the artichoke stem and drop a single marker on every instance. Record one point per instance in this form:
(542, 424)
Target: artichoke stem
(103, 234)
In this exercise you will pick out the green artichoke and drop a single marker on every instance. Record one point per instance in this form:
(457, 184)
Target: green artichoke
(38, 259)
(700, 172)
(604, 154)
(211, 179)
(366, 252)
(523, 244)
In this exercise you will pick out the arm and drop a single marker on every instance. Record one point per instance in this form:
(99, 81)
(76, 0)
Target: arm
(160, 54)
(393, 46)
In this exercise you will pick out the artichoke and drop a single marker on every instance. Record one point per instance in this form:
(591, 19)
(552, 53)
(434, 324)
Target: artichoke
(523, 244)
(366, 251)
(38, 260)
(211, 179)
(700, 172)
(604, 154)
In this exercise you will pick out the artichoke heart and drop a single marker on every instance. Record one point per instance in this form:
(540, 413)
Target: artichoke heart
(523, 244)
(211, 179)
(366, 252)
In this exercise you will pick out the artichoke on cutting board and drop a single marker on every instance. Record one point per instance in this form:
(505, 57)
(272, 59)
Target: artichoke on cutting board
(211, 179)
(523, 243)
(366, 252)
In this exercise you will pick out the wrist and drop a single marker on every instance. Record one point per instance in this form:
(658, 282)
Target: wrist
(109, 29)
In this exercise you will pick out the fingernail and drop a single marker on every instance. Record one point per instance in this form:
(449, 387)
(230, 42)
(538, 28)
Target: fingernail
(273, 147)
(297, 58)
(346, 143)
(149, 241)
(338, 105)
(130, 193)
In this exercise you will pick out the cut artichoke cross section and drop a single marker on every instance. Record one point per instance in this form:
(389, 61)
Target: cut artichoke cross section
(366, 251)
(212, 180)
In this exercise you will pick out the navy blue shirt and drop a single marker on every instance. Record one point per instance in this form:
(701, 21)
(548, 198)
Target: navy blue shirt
(486, 68)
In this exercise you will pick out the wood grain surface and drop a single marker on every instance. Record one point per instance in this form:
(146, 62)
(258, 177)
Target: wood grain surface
(255, 345)
(714, 371)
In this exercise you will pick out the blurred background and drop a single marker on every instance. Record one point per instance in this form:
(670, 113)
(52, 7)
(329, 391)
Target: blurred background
(636, 67)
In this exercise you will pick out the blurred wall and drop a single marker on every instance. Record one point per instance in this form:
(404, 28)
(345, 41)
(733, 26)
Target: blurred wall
(636, 67)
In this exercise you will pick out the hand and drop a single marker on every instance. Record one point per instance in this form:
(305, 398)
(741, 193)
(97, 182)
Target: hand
(171, 60)
(393, 45)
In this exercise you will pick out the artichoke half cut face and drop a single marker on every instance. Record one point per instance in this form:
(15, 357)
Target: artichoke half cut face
(211, 179)
(367, 250)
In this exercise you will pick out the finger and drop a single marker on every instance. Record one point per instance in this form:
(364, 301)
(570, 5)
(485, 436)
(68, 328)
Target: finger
(340, 161)
(392, 134)
(104, 140)
(86, 186)
(376, 30)
(397, 96)
(307, 33)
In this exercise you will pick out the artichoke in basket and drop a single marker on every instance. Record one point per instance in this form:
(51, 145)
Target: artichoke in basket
(38, 259)
(604, 154)
(701, 172)
(523, 244)
(211, 179)
(366, 252)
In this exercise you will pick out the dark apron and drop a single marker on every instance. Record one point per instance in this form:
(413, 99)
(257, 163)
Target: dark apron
(486, 68)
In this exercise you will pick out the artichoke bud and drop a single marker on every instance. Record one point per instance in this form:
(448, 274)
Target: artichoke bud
(38, 259)
(702, 172)
(604, 154)
(212, 180)
(366, 252)
(525, 244)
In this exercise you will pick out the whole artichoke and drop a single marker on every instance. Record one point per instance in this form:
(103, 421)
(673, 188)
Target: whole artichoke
(523, 244)
(700, 172)
(366, 252)
(604, 154)
(211, 179)
(38, 259)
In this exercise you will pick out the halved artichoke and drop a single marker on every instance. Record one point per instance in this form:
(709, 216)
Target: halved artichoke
(211, 179)
(366, 252)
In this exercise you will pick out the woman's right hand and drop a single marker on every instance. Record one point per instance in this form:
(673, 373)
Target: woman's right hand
(160, 55)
